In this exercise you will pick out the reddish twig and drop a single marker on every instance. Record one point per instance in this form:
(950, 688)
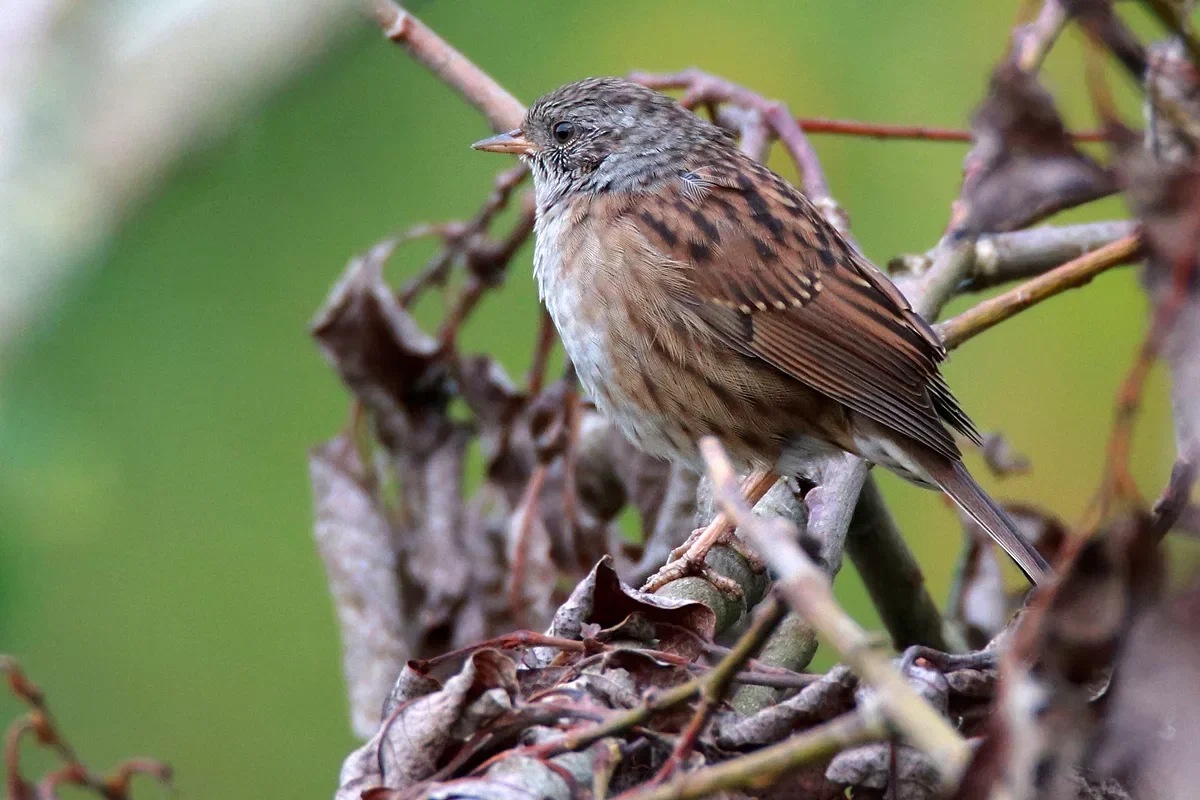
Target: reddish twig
(527, 511)
(502, 110)
(40, 723)
(546, 337)
(1119, 483)
(570, 456)
(458, 236)
(920, 133)
(700, 87)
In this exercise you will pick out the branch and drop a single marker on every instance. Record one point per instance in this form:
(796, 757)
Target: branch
(892, 575)
(807, 589)
(1025, 254)
(717, 682)
(920, 133)
(503, 111)
(1032, 42)
(1169, 15)
(701, 88)
(763, 766)
(1071, 275)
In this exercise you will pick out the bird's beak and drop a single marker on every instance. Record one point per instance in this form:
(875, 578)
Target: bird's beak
(511, 142)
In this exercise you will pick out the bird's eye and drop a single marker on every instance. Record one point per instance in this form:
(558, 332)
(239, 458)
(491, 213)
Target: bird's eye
(563, 132)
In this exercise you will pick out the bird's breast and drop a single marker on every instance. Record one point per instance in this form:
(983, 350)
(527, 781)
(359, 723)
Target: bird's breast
(588, 290)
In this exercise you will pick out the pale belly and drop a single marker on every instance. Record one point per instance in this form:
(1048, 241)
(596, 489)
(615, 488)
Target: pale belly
(585, 320)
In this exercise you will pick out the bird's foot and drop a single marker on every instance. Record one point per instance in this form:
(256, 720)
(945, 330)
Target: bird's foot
(687, 566)
(689, 558)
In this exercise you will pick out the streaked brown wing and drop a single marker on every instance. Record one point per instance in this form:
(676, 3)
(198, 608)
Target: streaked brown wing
(778, 283)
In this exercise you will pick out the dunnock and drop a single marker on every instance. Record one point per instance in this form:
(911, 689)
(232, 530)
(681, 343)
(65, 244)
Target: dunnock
(698, 293)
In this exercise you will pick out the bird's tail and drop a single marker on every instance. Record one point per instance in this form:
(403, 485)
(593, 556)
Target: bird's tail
(955, 481)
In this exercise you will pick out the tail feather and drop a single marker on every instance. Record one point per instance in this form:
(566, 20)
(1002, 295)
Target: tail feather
(955, 481)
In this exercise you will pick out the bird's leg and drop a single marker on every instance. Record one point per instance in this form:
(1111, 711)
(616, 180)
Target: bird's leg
(688, 558)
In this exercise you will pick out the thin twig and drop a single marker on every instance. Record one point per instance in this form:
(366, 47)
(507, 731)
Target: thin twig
(527, 512)
(921, 133)
(762, 767)
(1071, 275)
(717, 682)
(1119, 482)
(546, 337)
(42, 725)
(503, 111)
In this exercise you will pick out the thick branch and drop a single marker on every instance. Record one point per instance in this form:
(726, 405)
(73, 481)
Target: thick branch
(892, 575)
(808, 590)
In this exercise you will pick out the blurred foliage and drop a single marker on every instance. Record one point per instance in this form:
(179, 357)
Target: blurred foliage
(156, 568)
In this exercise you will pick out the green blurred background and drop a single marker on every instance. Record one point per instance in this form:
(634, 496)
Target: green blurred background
(157, 574)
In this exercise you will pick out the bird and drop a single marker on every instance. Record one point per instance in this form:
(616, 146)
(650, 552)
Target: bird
(699, 294)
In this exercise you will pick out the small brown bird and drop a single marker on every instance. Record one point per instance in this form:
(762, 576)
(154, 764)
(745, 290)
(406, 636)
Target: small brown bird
(698, 293)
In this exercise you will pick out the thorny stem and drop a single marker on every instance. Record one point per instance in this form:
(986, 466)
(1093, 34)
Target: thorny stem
(717, 682)
(40, 722)
(1071, 275)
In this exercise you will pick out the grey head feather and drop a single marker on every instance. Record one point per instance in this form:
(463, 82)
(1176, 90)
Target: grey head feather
(625, 138)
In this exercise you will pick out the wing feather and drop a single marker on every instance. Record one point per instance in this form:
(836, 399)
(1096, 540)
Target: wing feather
(775, 281)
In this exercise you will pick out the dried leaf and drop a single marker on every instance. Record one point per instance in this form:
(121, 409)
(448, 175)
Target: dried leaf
(1171, 78)
(872, 766)
(434, 545)
(533, 573)
(1151, 737)
(1060, 660)
(413, 739)
(410, 684)
(396, 370)
(1166, 197)
(1001, 458)
(1024, 167)
(356, 547)
(602, 598)
(982, 602)
(833, 694)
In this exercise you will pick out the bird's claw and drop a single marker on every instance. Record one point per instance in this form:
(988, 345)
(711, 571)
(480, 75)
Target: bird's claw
(689, 559)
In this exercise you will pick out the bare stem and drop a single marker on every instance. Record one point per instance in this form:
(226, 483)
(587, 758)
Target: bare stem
(1071, 275)
(764, 766)
(503, 111)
